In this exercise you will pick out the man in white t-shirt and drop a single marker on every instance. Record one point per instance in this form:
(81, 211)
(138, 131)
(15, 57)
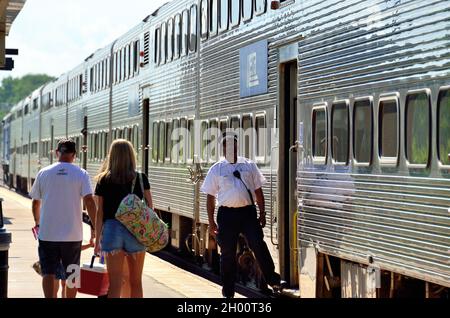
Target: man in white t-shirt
(57, 194)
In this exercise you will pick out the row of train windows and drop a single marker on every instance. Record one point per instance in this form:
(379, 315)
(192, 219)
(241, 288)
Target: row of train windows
(178, 35)
(125, 65)
(418, 130)
(173, 141)
(32, 148)
(98, 142)
(26, 109)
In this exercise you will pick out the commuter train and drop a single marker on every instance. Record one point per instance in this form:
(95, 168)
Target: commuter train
(348, 108)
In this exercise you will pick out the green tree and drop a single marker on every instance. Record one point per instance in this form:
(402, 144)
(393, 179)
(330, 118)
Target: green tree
(12, 90)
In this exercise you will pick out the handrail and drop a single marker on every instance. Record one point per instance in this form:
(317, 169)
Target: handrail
(271, 196)
(294, 236)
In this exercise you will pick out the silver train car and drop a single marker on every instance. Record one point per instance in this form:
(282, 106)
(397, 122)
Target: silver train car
(344, 105)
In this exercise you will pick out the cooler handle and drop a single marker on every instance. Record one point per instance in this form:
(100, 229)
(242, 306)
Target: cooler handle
(92, 261)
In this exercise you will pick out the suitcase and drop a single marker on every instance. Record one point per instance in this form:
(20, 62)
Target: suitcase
(94, 279)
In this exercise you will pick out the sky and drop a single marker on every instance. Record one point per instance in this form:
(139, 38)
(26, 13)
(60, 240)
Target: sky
(54, 36)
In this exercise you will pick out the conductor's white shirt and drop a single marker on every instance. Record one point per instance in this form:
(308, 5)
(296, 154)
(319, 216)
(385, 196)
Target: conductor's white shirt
(229, 190)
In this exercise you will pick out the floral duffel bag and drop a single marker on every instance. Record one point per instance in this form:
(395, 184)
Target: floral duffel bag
(142, 221)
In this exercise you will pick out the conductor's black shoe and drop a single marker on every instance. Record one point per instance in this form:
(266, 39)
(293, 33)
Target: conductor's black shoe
(279, 286)
(227, 296)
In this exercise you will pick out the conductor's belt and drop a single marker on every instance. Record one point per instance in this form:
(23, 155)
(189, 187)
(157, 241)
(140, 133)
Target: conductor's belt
(243, 208)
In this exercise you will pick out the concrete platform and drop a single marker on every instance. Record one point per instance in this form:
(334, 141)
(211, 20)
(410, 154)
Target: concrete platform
(160, 279)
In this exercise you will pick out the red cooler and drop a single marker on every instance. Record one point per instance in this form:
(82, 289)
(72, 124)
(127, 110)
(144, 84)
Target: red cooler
(94, 279)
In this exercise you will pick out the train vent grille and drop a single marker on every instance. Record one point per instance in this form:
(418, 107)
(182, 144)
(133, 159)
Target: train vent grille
(146, 48)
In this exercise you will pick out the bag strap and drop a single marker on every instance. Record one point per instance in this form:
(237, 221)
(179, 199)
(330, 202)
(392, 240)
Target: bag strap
(133, 184)
(237, 174)
(142, 188)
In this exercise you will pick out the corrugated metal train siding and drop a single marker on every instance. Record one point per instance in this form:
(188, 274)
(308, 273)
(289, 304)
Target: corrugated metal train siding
(171, 192)
(367, 49)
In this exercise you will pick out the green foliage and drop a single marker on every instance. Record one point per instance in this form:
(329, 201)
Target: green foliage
(13, 90)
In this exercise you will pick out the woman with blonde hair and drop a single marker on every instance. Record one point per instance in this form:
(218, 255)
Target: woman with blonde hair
(113, 239)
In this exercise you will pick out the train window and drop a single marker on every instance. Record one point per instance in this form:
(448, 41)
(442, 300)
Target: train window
(235, 123)
(444, 126)
(191, 139)
(108, 71)
(204, 19)
(105, 145)
(35, 104)
(89, 146)
(223, 126)
(363, 130)
(130, 135)
(91, 78)
(155, 139)
(193, 29)
(182, 141)
(26, 109)
(175, 139)
(115, 67)
(136, 143)
(235, 12)
(224, 17)
(130, 61)
(260, 7)
(418, 127)
(162, 141)
(204, 141)
(168, 150)
(97, 80)
(319, 134)
(185, 33)
(125, 63)
(340, 130)
(213, 17)
(163, 45)
(388, 137)
(103, 74)
(96, 146)
(177, 37)
(135, 56)
(247, 10)
(214, 136)
(247, 141)
(260, 128)
(119, 75)
(170, 40)
(104, 142)
(157, 55)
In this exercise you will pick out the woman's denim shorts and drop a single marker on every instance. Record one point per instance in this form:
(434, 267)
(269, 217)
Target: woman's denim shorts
(116, 238)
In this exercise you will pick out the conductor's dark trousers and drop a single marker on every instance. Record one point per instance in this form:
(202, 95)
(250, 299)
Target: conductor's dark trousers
(232, 222)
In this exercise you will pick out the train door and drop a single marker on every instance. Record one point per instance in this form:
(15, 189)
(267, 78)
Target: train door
(287, 173)
(145, 135)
